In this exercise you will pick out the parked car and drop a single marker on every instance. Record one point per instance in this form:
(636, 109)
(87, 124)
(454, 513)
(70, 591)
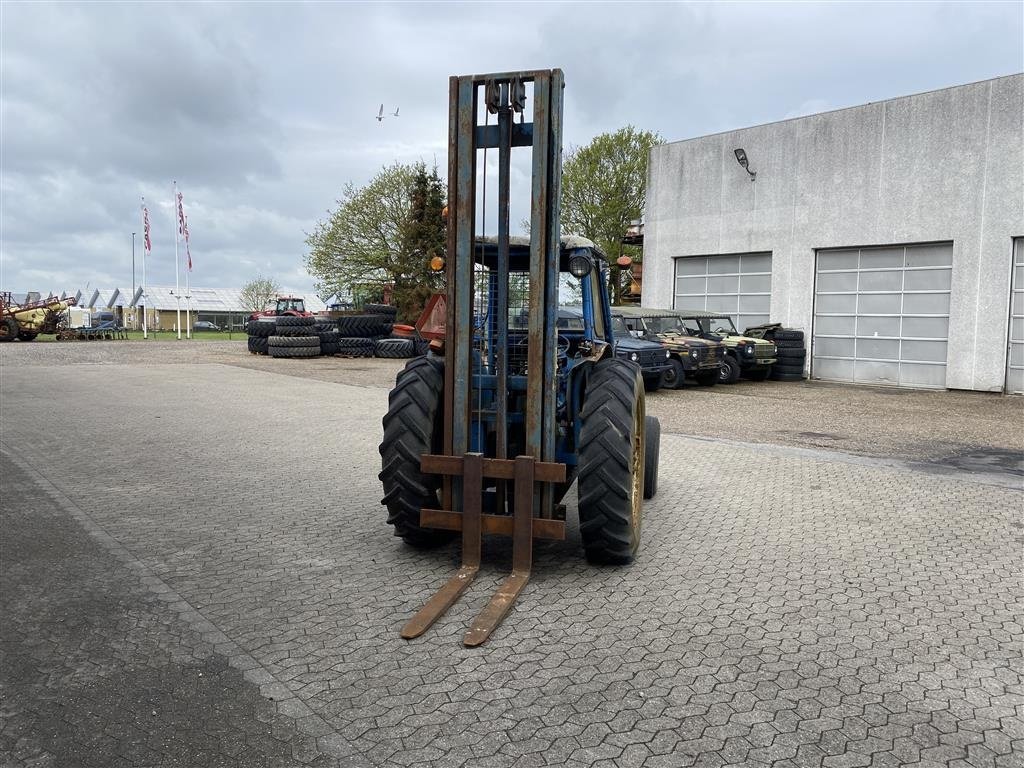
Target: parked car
(692, 357)
(204, 325)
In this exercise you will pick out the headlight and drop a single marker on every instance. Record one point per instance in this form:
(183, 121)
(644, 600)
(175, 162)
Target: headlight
(634, 356)
(775, 350)
(580, 263)
(750, 349)
(668, 353)
(694, 354)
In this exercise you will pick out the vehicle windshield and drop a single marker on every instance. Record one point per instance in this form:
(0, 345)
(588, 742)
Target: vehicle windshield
(619, 329)
(664, 325)
(721, 326)
(295, 304)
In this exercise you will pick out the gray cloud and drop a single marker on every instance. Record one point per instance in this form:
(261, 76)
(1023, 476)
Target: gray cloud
(263, 112)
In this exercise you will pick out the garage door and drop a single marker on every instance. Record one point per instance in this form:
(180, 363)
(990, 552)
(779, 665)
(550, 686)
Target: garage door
(1015, 356)
(881, 315)
(738, 285)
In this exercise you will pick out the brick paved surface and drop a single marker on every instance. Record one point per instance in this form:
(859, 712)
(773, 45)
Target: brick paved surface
(788, 607)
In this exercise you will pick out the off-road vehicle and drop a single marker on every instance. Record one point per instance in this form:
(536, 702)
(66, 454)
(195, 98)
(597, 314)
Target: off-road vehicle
(745, 356)
(690, 357)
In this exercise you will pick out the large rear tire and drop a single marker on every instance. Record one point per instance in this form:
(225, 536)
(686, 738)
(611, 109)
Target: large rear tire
(611, 463)
(8, 329)
(652, 455)
(413, 426)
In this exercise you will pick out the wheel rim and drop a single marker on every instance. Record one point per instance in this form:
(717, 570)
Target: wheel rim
(723, 372)
(637, 474)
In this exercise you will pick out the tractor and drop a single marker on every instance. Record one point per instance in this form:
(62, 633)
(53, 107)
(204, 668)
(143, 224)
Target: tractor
(487, 434)
(284, 305)
(28, 320)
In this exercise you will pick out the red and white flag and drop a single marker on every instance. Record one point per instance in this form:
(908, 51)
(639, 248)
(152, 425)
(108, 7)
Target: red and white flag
(183, 229)
(145, 227)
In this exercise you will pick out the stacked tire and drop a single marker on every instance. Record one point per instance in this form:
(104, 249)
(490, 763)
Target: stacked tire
(374, 334)
(792, 354)
(294, 337)
(259, 331)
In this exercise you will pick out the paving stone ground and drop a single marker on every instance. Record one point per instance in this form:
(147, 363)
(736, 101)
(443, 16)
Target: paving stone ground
(789, 607)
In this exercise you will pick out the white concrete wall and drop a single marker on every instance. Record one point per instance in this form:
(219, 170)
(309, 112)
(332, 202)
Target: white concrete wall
(938, 166)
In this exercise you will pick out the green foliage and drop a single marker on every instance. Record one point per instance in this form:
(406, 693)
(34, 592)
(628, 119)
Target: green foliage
(256, 294)
(384, 232)
(603, 189)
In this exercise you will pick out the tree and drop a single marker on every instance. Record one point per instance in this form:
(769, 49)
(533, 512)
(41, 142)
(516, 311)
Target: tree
(604, 185)
(385, 232)
(256, 294)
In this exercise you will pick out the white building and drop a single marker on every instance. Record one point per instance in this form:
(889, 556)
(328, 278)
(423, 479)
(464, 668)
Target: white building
(891, 233)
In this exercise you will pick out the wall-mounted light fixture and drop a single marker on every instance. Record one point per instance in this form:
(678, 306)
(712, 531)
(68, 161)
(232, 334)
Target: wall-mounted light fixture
(741, 158)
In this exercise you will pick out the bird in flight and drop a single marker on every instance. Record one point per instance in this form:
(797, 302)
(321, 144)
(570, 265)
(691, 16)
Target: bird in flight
(380, 115)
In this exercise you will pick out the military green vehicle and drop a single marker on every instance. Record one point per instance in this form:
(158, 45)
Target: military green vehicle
(691, 356)
(745, 356)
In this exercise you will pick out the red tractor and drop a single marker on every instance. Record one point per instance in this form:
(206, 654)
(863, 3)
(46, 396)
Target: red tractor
(286, 305)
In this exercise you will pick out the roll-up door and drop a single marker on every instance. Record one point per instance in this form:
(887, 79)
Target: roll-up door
(738, 285)
(881, 315)
(1015, 353)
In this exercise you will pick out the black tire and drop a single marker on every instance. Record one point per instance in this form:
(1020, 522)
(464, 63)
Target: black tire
(788, 334)
(364, 326)
(707, 378)
(652, 455)
(295, 342)
(787, 369)
(27, 335)
(652, 383)
(758, 374)
(790, 344)
(787, 377)
(355, 347)
(260, 345)
(296, 330)
(394, 348)
(421, 346)
(413, 426)
(786, 353)
(261, 328)
(285, 321)
(329, 348)
(329, 336)
(729, 373)
(8, 329)
(293, 351)
(381, 309)
(611, 463)
(675, 376)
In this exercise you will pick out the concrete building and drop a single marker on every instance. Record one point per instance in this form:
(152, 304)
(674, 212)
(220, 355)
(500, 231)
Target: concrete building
(891, 233)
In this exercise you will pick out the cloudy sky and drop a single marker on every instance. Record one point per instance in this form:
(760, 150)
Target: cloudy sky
(262, 112)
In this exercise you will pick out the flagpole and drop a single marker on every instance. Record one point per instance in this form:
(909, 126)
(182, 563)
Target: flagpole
(188, 303)
(177, 277)
(145, 247)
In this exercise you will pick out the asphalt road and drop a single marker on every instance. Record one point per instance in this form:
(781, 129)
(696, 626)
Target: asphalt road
(195, 570)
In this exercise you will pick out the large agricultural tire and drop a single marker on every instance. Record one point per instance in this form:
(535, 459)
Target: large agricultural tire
(421, 346)
(394, 348)
(364, 326)
(328, 348)
(27, 335)
(381, 309)
(294, 351)
(611, 463)
(758, 374)
(729, 373)
(652, 383)
(787, 353)
(261, 328)
(296, 330)
(355, 347)
(258, 345)
(413, 425)
(284, 321)
(788, 335)
(295, 342)
(8, 329)
(652, 455)
(789, 344)
(675, 376)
